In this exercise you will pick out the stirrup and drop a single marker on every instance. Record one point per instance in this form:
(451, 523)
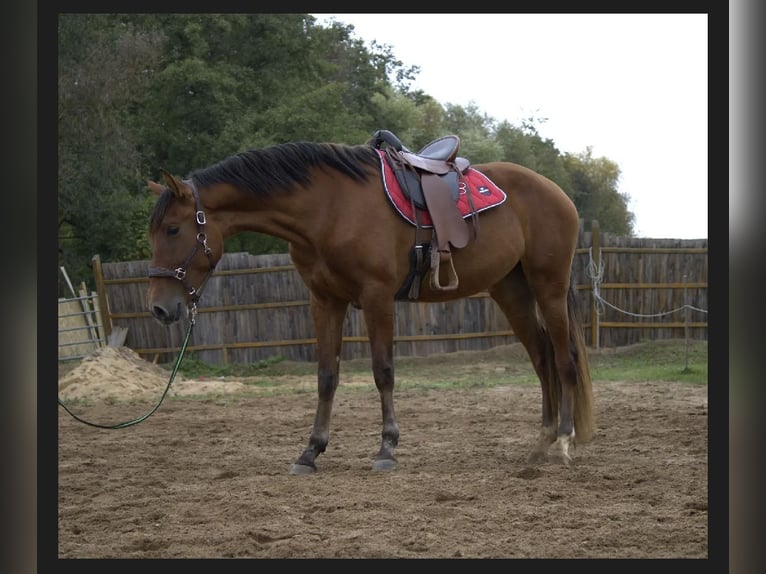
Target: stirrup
(438, 257)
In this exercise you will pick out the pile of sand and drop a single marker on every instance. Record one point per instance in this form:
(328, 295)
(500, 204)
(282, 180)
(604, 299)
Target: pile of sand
(119, 373)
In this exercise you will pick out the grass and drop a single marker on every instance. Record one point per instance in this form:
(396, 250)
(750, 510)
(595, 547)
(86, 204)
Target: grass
(658, 360)
(192, 367)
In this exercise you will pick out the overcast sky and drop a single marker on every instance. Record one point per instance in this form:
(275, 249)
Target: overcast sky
(633, 87)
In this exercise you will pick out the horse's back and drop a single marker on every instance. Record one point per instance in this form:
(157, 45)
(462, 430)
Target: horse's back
(527, 188)
(540, 203)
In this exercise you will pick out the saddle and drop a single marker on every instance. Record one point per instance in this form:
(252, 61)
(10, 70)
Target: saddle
(431, 179)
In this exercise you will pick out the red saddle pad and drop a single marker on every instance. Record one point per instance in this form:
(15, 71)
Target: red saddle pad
(484, 192)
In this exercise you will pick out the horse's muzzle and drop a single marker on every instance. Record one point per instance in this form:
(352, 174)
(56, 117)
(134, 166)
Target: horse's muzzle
(167, 315)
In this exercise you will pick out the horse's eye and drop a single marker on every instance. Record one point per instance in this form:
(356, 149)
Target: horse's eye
(172, 230)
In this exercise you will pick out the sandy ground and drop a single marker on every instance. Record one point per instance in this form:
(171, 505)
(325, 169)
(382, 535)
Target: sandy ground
(207, 477)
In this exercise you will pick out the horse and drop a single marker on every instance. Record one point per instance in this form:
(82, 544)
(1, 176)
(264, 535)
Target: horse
(330, 203)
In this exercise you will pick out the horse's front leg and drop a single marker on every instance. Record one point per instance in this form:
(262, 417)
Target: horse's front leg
(328, 315)
(379, 316)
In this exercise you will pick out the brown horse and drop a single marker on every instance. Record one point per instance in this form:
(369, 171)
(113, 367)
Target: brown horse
(329, 202)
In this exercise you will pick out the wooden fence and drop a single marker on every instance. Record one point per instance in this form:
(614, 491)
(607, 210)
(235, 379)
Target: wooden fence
(257, 307)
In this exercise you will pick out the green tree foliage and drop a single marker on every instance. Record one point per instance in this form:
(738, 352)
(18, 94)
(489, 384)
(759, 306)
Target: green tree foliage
(523, 145)
(594, 190)
(475, 129)
(139, 92)
(103, 70)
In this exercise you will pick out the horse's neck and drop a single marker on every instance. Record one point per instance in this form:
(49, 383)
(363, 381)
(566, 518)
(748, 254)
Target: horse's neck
(282, 215)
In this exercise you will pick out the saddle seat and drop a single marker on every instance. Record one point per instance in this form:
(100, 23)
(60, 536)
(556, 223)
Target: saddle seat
(439, 156)
(431, 179)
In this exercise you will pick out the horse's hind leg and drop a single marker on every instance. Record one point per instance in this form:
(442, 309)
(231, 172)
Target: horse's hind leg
(328, 315)
(551, 294)
(517, 302)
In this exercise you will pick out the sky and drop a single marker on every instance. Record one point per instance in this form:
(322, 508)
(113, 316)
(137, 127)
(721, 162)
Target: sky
(632, 87)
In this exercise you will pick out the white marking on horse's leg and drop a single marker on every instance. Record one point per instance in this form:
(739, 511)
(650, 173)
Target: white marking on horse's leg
(560, 450)
(545, 438)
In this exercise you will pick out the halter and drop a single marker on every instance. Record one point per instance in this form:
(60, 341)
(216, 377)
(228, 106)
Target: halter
(180, 271)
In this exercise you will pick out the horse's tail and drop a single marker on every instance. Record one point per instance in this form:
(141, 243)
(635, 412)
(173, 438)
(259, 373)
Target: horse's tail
(584, 420)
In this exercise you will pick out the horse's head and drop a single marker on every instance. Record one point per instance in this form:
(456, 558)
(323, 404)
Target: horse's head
(186, 246)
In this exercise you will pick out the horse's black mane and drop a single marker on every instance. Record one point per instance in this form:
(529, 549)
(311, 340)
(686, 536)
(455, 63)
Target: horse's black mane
(264, 171)
(279, 167)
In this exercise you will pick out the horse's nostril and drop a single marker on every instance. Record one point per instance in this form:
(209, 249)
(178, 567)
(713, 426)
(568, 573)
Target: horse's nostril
(165, 316)
(160, 313)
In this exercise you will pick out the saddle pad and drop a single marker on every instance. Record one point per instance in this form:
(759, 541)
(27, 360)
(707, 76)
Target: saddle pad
(484, 192)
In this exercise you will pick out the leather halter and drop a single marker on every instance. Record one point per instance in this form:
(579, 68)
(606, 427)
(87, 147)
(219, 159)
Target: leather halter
(180, 271)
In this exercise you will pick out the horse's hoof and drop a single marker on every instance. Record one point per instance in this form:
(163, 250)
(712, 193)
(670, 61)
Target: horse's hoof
(384, 464)
(302, 469)
(559, 456)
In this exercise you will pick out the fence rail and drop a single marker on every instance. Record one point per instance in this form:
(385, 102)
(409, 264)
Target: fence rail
(256, 307)
(80, 328)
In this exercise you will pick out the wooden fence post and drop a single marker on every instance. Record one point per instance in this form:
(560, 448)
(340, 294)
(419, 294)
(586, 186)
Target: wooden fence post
(686, 326)
(98, 275)
(596, 255)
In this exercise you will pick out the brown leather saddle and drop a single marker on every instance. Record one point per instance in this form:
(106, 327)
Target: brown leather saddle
(431, 179)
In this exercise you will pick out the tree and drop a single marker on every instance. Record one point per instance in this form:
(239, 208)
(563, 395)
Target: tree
(523, 145)
(475, 129)
(104, 66)
(594, 185)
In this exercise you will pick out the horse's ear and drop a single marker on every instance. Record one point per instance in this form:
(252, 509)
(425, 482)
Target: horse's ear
(155, 187)
(172, 182)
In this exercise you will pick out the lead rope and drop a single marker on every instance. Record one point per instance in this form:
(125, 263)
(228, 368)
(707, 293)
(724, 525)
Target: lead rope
(192, 317)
